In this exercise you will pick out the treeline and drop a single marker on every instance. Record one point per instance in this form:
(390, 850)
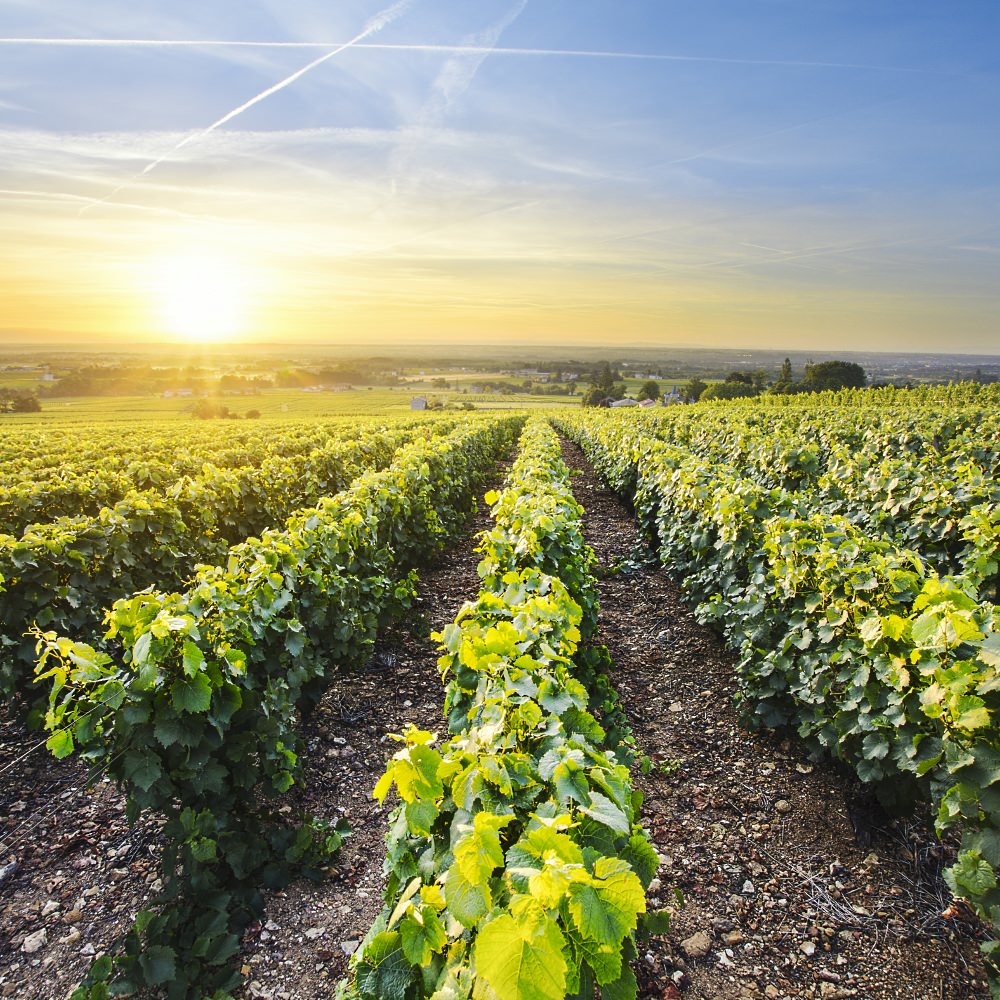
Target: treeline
(143, 380)
(822, 377)
(606, 383)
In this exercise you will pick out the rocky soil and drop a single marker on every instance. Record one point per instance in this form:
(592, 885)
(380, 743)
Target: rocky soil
(794, 885)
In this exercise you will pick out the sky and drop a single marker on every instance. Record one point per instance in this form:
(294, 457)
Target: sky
(801, 174)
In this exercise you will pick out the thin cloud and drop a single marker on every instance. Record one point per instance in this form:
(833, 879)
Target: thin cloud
(771, 133)
(452, 81)
(377, 23)
(34, 197)
(457, 75)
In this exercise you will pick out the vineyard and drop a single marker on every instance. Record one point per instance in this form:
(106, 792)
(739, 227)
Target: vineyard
(684, 701)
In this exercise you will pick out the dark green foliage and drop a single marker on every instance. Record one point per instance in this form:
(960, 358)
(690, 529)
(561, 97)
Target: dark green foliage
(833, 375)
(844, 633)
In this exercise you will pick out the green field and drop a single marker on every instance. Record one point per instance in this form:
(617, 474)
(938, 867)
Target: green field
(274, 403)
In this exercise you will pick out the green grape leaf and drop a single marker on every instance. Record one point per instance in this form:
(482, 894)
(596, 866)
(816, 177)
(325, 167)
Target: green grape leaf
(479, 853)
(194, 659)
(191, 694)
(522, 960)
(623, 988)
(971, 876)
(603, 810)
(384, 973)
(422, 935)
(159, 964)
(467, 903)
(60, 743)
(607, 908)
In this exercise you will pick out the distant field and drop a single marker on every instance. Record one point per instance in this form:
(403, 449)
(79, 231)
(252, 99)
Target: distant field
(274, 403)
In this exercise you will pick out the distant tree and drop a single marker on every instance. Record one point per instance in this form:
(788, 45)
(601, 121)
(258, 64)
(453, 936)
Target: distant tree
(18, 401)
(603, 377)
(784, 383)
(594, 396)
(205, 409)
(691, 390)
(729, 390)
(742, 378)
(834, 375)
(253, 414)
(650, 390)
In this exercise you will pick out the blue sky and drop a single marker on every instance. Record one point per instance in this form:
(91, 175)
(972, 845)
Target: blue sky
(756, 173)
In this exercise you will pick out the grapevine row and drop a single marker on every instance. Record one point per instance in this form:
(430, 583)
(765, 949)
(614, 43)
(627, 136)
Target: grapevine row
(516, 865)
(83, 482)
(872, 656)
(31, 452)
(63, 574)
(949, 515)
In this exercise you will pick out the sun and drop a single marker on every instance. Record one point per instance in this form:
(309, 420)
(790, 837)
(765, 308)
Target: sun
(201, 296)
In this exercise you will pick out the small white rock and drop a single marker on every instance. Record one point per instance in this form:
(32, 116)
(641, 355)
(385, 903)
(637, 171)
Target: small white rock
(34, 942)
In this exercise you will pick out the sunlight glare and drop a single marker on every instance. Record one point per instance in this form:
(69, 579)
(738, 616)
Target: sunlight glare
(201, 296)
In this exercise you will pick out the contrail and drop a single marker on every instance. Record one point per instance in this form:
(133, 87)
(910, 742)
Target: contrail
(378, 22)
(462, 49)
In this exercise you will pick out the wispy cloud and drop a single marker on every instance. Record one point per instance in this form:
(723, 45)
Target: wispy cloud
(377, 23)
(732, 144)
(33, 196)
(452, 81)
